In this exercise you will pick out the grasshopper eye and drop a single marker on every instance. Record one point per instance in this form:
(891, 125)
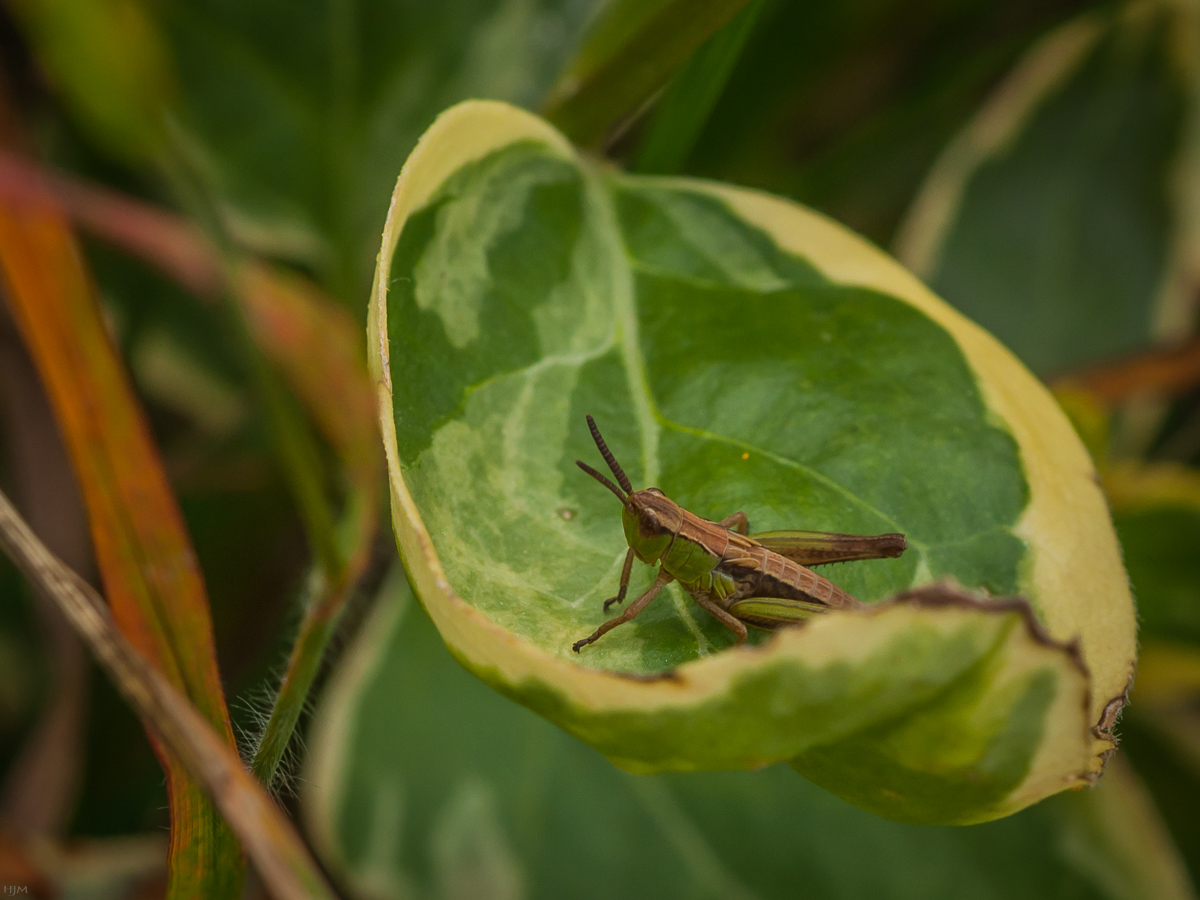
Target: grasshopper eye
(648, 522)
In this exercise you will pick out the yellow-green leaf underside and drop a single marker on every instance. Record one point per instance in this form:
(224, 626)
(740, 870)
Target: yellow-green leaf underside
(420, 780)
(740, 352)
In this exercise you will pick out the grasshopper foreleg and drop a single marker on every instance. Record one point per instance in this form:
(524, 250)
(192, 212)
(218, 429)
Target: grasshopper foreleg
(625, 573)
(729, 621)
(738, 522)
(634, 608)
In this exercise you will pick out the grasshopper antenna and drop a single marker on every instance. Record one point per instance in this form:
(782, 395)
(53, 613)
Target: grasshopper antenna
(613, 465)
(600, 478)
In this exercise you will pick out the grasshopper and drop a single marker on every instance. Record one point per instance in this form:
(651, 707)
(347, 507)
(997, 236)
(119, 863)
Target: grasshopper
(739, 578)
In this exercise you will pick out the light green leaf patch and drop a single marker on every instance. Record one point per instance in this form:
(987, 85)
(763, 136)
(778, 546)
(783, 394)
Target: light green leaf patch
(739, 353)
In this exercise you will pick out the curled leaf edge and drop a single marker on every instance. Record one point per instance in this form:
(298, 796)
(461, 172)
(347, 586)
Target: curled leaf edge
(473, 129)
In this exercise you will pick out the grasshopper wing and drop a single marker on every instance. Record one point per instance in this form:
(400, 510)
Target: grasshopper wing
(771, 612)
(816, 548)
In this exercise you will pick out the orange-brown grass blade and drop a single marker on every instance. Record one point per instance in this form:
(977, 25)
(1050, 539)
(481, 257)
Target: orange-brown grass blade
(278, 853)
(319, 348)
(313, 341)
(142, 549)
(1167, 370)
(170, 243)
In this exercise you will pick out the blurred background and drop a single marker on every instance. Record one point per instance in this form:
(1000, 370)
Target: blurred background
(226, 167)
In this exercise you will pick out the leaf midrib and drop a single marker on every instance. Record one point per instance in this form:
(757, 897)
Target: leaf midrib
(645, 412)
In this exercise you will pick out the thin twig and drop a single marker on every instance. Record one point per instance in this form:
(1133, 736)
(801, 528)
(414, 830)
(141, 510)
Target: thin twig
(268, 837)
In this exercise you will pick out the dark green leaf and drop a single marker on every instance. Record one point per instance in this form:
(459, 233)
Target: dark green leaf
(845, 104)
(1162, 553)
(304, 112)
(1051, 219)
(691, 95)
(629, 54)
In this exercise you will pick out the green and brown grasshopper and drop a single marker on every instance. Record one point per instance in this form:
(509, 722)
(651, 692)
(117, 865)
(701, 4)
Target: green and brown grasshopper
(739, 578)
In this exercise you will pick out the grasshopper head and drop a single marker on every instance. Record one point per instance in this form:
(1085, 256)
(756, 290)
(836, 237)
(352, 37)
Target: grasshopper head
(650, 518)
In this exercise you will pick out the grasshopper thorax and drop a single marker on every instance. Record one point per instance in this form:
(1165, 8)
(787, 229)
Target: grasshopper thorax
(651, 520)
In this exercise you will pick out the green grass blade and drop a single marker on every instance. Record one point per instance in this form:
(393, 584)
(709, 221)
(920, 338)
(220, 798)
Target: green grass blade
(321, 616)
(303, 665)
(297, 450)
(691, 95)
(629, 54)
